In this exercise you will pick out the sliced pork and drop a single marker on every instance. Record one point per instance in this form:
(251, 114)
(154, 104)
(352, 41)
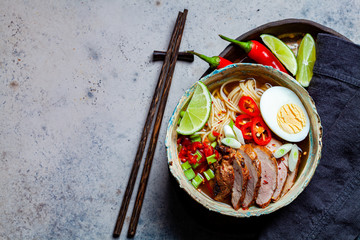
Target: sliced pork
(241, 173)
(224, 174)
(282, 169)
(291, 177)
(269, 172)
(254, 168)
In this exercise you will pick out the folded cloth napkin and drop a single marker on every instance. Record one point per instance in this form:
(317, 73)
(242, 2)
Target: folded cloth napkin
(329, 207)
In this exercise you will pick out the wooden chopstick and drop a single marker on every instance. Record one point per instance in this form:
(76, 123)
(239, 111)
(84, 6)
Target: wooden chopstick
(155, 134)
(183, 56)
(144, 136)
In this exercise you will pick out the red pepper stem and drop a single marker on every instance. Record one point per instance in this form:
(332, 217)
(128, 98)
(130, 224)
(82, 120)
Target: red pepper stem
(244, 45)
(213, 61)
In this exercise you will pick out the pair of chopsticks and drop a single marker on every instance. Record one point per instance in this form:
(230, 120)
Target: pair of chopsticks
(162, 87)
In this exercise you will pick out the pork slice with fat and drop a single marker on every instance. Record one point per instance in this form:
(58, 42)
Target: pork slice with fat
(282, 168)
(269, 172)
(241, 174)
(291, 177)
(254, 168)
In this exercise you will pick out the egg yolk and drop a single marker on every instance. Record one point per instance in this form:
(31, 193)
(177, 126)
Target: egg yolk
(291, 118)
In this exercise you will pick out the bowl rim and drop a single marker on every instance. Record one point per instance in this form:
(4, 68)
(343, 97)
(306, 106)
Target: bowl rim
(205, 200)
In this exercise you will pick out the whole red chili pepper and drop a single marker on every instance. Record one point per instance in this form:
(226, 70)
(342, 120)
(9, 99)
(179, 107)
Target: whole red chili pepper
(214, 62)
(258, 52)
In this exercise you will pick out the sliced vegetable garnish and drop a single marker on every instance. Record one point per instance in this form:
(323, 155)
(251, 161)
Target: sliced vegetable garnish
(211, 159)
(231, 142)
(208, 150)
(198, 155)
(209, 174)
(229, 133)
(195, 165)
(260, 132)
(242, 119)
(231, 123)
(211, 137)
(246, 131)
(282, 150)
(185, 166)
(197, 180)
(306, 59)
(190, 174)
(248, 106)
(215, 133)
(213, 144)
(197, 112)
(195, 138)
(239, 135)
(293, 157)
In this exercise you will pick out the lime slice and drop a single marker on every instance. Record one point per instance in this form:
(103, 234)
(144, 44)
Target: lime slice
(281, 51)
(306, 59)
(197, 112)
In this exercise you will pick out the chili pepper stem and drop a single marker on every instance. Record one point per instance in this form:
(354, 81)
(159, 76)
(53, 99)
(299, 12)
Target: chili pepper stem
(244, 45)
(213, 61)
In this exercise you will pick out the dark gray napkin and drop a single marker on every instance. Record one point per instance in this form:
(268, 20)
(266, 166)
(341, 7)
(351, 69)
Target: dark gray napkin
(329, 208)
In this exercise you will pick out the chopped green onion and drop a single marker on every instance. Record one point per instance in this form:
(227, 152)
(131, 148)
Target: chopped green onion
(211, 159)
(197, 180)
(231, 124)
(178, 123)
(195, 165)
(190, 174)
(209, 174)
(185, 166)
(293, 157)
(211, 137)
(231, 142)
(229, 133)
(282, 150)
(239, 135)
(182, 113)
(195, 138)
(198, 155)
(213, 144)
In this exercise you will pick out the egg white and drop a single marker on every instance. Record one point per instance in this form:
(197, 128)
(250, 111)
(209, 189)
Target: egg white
(270, 103)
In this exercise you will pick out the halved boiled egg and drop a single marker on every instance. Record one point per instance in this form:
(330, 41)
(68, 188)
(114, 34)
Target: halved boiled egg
(284, 113)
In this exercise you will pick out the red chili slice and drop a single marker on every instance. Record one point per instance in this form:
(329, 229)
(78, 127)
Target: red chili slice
(242, 120)
(248, 106)
(260, 132)
(215, 133)
(246, 130)
(192, 159)
(208, 150)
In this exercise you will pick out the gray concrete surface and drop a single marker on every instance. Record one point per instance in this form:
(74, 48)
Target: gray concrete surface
(76, 84)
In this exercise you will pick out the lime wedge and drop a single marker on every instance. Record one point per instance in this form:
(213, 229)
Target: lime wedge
(306, 59)
(197, 112)
(281, 51)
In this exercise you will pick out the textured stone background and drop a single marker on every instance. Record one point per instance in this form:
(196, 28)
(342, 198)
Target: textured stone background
(76, 83)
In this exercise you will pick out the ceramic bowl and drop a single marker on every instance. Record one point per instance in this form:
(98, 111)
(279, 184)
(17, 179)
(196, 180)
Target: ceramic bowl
(307, 168)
